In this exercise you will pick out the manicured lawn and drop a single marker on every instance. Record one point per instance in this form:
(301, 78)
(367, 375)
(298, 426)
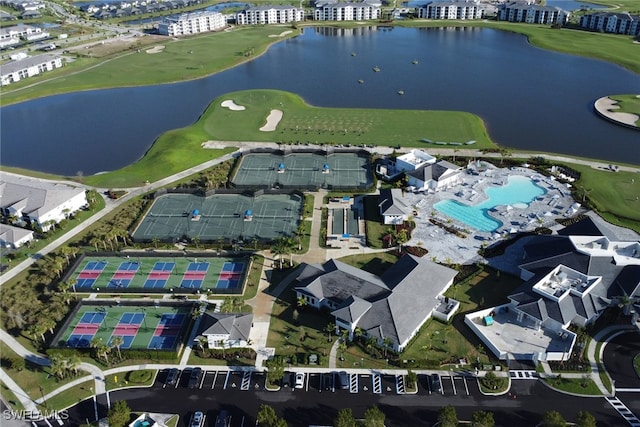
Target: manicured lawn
(305, 123)
(184, 59)
(613, 194)
(33, 378)
(575, 385)
(375, 228)
(10, 397)
(628, 104)
(376, 263)
(70, 397)
(141, 378)
(286, 333)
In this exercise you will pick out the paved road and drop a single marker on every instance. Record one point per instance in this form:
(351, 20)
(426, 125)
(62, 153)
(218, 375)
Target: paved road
(318, 405)
(618, 358)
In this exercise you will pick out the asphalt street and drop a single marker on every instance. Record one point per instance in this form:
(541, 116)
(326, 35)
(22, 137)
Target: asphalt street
(318, 402)
(618, 358)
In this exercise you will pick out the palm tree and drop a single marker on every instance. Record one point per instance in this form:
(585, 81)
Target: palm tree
(95, 241)
(330, 329)
(299, 234)
(387, 344)
(58, 365)
(358, 332)
(117, 342)
(301, 302)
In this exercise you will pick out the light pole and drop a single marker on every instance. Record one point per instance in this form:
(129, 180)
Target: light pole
(44, 401)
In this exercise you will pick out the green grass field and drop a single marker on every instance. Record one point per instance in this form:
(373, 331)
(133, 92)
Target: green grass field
(613, 194)
(143, 272)
(628, 104)
(113, 320)
(303, 123)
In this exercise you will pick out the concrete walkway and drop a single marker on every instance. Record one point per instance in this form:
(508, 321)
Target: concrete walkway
(333, 353)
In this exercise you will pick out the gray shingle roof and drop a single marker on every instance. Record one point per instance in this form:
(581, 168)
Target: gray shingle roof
(14, 66)
(390, 202)
(393, 305)
(237, 326)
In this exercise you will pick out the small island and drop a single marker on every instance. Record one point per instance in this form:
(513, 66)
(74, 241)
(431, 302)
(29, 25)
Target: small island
(620, 109)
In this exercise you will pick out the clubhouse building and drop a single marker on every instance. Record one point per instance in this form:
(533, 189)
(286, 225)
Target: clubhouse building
(390, 308)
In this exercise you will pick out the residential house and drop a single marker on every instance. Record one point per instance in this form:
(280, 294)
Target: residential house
(333, 10)
(270, 14)
(38, 202)
(225, 330)
(13, 237)
(529, 13)
(15, 71)
(452, 10)
(392, 208)
(192, 23)
(608, 22)
(390, 308)
(12, 35)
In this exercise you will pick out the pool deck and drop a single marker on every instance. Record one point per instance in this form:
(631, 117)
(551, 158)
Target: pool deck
(542, 211)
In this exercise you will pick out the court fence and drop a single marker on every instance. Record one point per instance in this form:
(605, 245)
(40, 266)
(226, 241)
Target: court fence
(56, 343)
(158, 291)
(327, 151)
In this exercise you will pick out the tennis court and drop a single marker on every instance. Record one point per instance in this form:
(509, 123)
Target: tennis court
(161, 274)
(220, 216)
(139, 327)
(304, 170)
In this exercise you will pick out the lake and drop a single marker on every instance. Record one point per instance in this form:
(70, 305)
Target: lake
(529, 98)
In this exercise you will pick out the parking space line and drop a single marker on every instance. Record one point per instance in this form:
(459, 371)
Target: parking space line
(466, 388)
(215, 377)
(202, 379)
(48, 423)
(353, 383)
(453, 384)
(376, 383)
(400, 384)
(226, 380)
(246, 380)
(306, 382)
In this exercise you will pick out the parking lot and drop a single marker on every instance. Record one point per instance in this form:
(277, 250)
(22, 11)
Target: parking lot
(326, 382)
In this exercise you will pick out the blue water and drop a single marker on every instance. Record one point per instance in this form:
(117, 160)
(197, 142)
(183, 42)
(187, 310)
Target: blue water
(519, 190)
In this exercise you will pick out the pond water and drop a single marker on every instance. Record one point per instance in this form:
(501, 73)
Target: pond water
(529, 98)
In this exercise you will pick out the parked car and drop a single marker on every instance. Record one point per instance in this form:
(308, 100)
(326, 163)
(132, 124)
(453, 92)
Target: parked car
(436, 386)
(287, 379)
(343, 380)
(197, 419)
(223, 419)
(172, 377)
(194, 379)
(299, 380)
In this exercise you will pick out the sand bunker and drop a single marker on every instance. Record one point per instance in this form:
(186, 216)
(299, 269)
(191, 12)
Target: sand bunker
(155, 49)
(606, 106)
(232, 105)
(282, 34)
(272, 121)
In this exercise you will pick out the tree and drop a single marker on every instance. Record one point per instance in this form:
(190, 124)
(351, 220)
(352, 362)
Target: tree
(374, 417)
(58, 366)
(482, 419)
(553, 419)
(448, 417)
(301, 301)
(412, 378)
(585, 419)
(330, 329)
(275, 371)
(119, 414)
(117, 342)
(386, 341)
(267, 417)
(345, 418)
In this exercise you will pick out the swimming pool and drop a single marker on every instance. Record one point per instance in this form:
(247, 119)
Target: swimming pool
(519, 191)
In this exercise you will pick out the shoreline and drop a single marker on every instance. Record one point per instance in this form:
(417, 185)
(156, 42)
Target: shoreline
(604, 106)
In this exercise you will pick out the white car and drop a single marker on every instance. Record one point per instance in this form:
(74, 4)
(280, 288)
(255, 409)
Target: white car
(299, 380)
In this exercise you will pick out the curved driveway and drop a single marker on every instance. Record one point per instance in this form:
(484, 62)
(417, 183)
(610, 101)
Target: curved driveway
(618, 359)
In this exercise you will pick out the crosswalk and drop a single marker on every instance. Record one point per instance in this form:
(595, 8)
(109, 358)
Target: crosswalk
(624, 411)
(523, 375)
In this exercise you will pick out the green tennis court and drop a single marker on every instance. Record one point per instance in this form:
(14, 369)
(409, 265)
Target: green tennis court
(160, 274)
(174, 217)
(139, 327)
(303, 170)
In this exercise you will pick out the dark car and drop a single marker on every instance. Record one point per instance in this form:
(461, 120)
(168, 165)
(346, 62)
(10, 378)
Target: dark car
(436, 386)
(194, 379)
(287, 379)
(172, 377)
(224, 419)
(343, 380)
